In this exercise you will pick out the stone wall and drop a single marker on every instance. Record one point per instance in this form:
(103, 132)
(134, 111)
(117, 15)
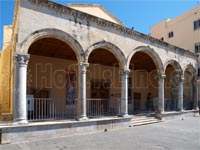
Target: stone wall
(59, 129)
(88, 30)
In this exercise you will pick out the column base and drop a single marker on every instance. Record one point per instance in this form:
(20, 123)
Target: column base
(180, 110)
(159, 115)
(82, 118)
(123, 115)
(20, 122)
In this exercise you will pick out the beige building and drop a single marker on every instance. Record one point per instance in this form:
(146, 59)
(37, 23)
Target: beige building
(62, 62)
(182, 31)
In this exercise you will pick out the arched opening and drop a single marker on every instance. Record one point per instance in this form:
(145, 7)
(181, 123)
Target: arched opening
(103, 83)
(188, 88)
(173, 75)
(143, 84)
(52, 80)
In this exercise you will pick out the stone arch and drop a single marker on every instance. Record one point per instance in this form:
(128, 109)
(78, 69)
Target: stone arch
(53, 33)
(189, 84)
(173, 75)
(151, 52)
(173, 63)
(111, 48)
(190, 66)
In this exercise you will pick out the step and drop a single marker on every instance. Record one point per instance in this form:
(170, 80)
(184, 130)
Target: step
(145, 120)
(145, 123)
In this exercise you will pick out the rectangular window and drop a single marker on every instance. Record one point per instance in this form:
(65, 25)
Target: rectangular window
(171, 34)
(197, 24)
(197, 47)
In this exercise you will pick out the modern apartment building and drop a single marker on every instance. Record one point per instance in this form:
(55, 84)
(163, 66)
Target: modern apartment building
(182, 31)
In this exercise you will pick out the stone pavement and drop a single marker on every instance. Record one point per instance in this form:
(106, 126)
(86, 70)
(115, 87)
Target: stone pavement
(170, 135)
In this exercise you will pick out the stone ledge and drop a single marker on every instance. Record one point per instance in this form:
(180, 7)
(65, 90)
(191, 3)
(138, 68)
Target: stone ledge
(33, 131)
(177, 115)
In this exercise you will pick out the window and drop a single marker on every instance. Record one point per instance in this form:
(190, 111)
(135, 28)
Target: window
(197, 24)
(197, 47)
(171, 34)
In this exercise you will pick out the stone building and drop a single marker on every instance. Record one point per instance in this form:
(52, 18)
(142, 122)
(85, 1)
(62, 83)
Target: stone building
(67, 62)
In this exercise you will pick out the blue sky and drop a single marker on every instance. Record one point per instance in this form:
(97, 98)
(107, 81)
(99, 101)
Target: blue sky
(140, 14)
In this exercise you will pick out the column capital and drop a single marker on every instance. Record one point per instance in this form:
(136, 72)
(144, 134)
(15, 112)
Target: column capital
(83, 67)
(125, 71)
(197, 81)
(21, 59)
(82, 63)
(162, 76)
(181, 78)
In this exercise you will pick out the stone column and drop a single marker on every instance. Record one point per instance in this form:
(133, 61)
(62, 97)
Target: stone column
(180, 94)
(196, 97)
(124, 93)
(20, 104)
(82, 90)
(161, 97)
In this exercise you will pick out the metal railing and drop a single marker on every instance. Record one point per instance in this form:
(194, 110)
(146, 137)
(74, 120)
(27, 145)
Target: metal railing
(187, 104)
(143, 105)
(136, 106)
(171, 105)
(102, 107)
(51, 108)
(41, 109)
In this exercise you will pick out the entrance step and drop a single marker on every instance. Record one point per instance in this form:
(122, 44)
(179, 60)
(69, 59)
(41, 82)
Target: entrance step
(143, 120)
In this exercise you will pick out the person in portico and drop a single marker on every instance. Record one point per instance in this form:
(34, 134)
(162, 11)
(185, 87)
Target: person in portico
(104, 60)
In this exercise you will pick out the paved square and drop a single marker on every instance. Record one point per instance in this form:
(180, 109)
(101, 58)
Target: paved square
(169, 135)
